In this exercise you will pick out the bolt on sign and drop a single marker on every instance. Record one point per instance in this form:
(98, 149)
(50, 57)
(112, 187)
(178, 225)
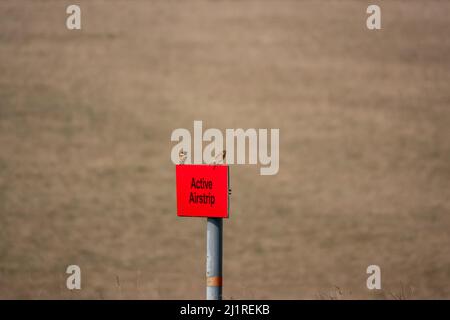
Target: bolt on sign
(202, 190)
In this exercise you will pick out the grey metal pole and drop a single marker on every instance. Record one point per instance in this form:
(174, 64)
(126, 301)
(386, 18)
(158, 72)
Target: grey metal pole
(214, 251)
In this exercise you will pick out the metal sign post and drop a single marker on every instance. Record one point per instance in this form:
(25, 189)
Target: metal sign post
(214, 250)
(204, 191)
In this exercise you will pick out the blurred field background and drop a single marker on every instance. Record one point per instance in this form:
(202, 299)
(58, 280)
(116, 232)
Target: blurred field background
(85, 124)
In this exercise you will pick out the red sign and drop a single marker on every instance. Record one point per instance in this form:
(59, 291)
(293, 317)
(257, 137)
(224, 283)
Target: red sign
(202, 190)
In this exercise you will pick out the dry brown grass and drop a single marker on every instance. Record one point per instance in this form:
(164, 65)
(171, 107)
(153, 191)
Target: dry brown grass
(85, 123)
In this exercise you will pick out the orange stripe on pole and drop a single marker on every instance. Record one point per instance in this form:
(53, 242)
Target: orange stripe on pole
(214, 281)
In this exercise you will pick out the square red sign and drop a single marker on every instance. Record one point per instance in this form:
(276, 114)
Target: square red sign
(202, 190)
